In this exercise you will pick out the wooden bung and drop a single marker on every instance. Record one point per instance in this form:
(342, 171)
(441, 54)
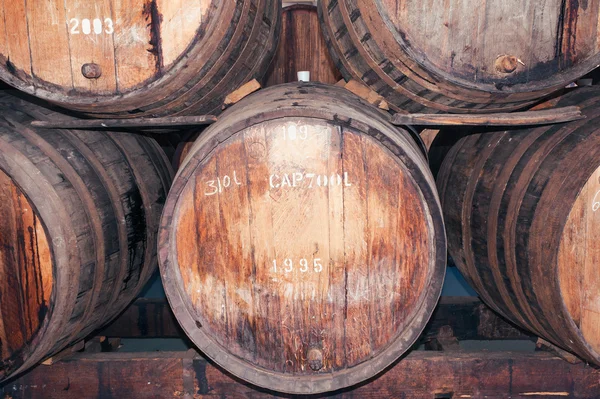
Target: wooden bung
(302, 246)
(79, 212)
(301, 48)
(427, 56)
(522, 216)
(138, 58)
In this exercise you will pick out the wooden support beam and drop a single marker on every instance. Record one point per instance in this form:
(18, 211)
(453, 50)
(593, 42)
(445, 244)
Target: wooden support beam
(527, 118)
(169, 121)
(421, 374)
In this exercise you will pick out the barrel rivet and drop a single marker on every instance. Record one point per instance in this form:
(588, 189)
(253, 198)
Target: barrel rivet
(507, 63)
(315, 359)
(91, 70)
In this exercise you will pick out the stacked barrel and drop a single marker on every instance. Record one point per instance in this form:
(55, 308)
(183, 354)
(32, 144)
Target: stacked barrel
(453, 56)
(302, 245)
(79, 213)
(521, 210)
(136, 58)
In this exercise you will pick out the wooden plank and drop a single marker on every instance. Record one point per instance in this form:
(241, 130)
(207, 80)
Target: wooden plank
(15, 23)
(545, 14)
(184, 374)
(240, 93)
(386, 268)
(262, 232)
(428, 136)
(573, 251)
(3, 32)
(91, 30)
(49, 40)
(528, 118)
(337, 246)
(367, 94)
(134, 60)
(172, 121)
(358, 313)
(180, 20)
(236, 262)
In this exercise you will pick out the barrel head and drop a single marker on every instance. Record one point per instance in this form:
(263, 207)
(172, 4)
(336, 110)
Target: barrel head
(299, 252)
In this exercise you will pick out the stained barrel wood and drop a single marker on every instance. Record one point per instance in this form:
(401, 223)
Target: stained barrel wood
(25, 270)
(521, 211)
(116, 58)
(79, 215)
(302, 246)
(301, 48)
(452, 56)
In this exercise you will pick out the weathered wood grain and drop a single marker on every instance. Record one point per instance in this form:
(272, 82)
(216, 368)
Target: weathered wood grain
(367, 94)
(49, 17)
(420, 375)
(92, 45)
(132, 58)
(520, 212)
(301, 243)
(26, 278)
(170, 121)
(243, 91)
(135, 58)
(526, 118)
(578, 247)
(301, 48)
(449, 56)
(79, 214)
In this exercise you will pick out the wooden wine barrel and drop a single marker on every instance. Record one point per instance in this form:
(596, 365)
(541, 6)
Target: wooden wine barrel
(456, 56)
(301, 48)
(79, 214)
(115, 58)
(521, 211)
(302, 246)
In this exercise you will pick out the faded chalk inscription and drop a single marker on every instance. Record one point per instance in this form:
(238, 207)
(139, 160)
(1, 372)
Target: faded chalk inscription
(221, 183)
